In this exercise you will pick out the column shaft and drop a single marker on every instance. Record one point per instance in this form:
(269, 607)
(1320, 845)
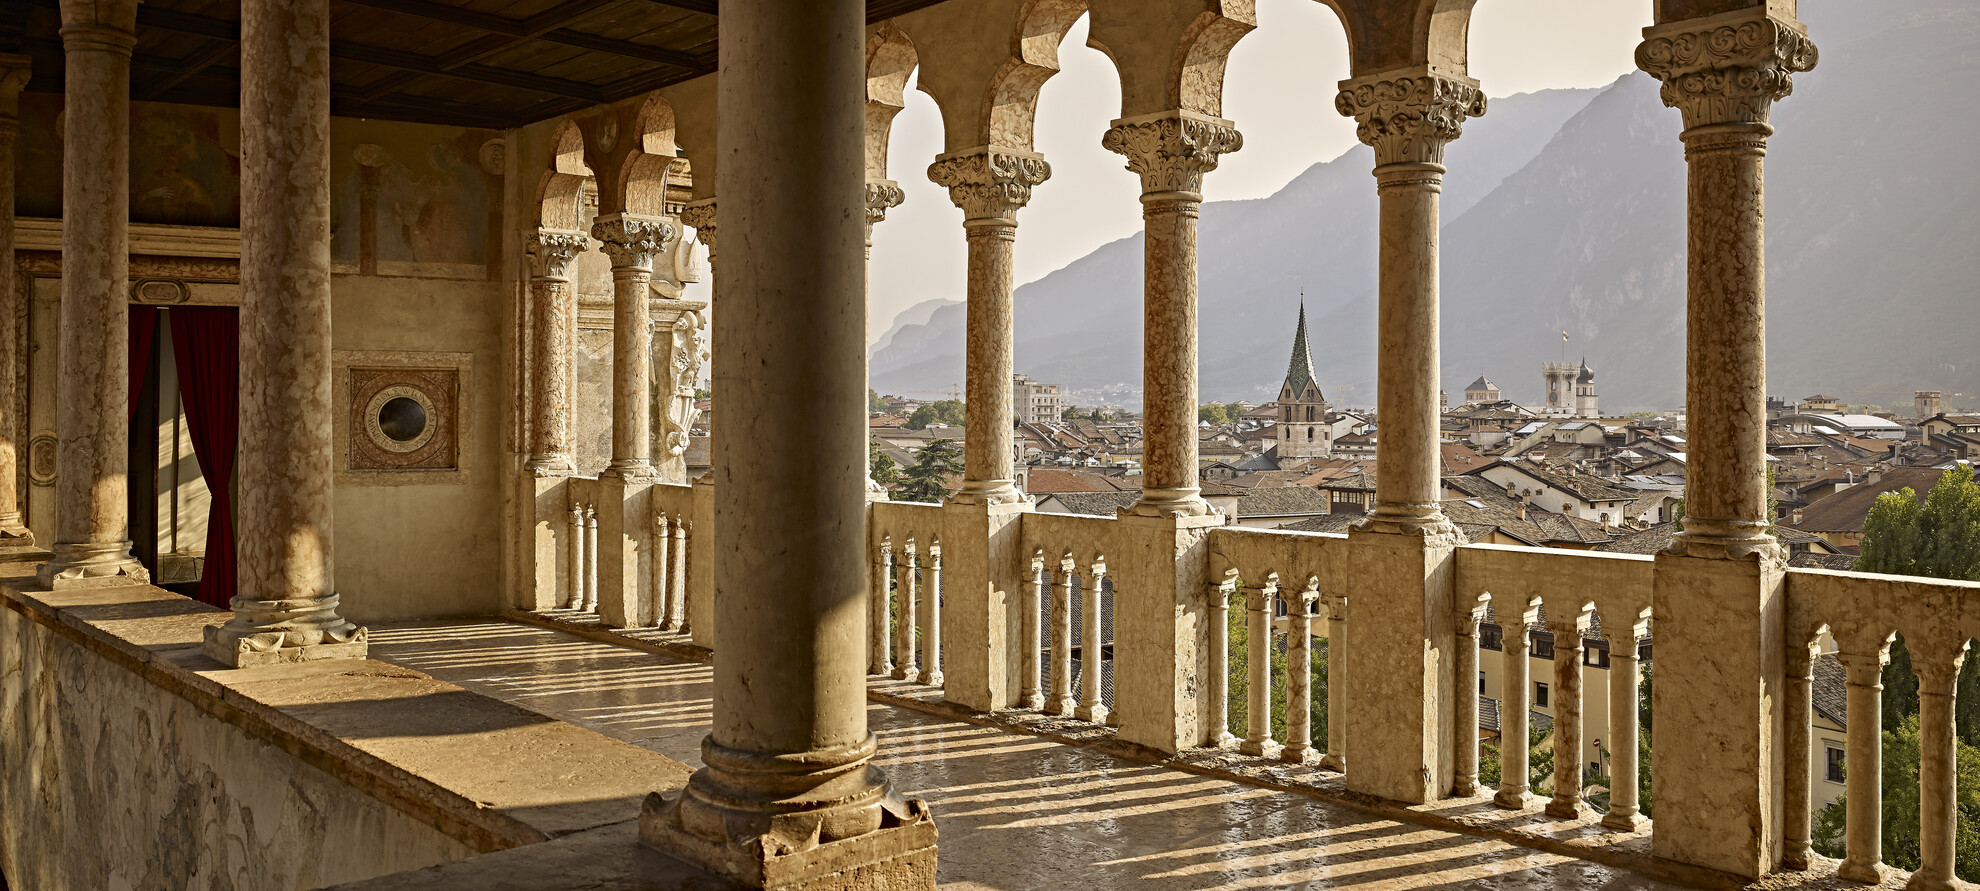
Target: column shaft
(1466, 784)
(1217, 684)
(1299, 682)
(1568, 651)
(1258, 670)
(287, 606)
(554, 308)
(1795, 797)
(1337, 669)
(990, 185)
(1863, 859)
(1171, 151)
(788, 756)
(1625, 673)
(632, 243)
(1938, 792)
(13, 531)
(1516, 685)
(92, 535)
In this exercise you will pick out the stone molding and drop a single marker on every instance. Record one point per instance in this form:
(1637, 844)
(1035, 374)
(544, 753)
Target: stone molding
(1171, 151)
(1408, 116)
(633, 241)
(1727, 69)
(882, 195)
(552, 251)
(988, 183)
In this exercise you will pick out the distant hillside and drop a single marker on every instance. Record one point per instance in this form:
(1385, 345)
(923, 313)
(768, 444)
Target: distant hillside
(1565, 209)
(1081, 325)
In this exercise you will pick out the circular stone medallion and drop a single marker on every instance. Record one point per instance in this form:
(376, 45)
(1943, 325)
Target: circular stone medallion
(399, 419)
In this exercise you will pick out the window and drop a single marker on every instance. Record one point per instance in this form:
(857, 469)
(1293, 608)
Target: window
(1539, 695)
(1481, 683)
(1833, 769)
(1309, 415)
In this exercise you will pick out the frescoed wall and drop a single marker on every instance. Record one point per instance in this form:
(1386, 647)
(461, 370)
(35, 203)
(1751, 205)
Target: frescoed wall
(414, 199)
(185, 163)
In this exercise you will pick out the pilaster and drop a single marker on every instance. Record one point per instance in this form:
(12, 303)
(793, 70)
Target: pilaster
(982, 561)
(1162, 607)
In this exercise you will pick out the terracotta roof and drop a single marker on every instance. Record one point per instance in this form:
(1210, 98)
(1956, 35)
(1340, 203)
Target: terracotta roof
(1054, 480)
(1282, 501)
(1103, 504)
(1845, 510)
(1831, 695)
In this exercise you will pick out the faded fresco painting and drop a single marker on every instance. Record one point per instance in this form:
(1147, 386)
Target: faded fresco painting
(407, 193)
(185, 163)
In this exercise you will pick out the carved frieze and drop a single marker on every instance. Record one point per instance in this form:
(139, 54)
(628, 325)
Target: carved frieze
(1409, 117)
(1727, 69)
(552, 251)
(1171, 152)
(632, 241)
(989, 183)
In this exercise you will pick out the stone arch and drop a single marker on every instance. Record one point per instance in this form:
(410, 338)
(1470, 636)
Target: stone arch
(1171, 54)
(1385, 36)
(561, 189)
(650, 159)
(1197, 83)
(890, 59)
(1010, 111)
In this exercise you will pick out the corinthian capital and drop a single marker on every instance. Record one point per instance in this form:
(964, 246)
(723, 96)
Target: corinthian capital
(633, 241)
(882, 195)
(989, 183)
(552, 250)
(1409, 116)
(1726, 69)
(1172, 150)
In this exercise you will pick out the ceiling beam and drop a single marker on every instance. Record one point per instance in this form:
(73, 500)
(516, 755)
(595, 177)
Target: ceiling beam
(545, 26)
(705, 7)
(188, 67)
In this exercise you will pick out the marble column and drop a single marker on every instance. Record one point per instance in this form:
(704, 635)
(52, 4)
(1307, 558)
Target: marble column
(1795, 804)
(1515, 686)
(1938, 764)
(92, 524)
(1568, 651)
(1863, 671)
(989, 184)
(554, 308)
(1408, 117)
(882, 195)
(1719, 588)
(1402, 699)
(789, 796)
(286, 610)
(13, 531)
(1299, 679)
(1466, 783)
(1625, 698)
(632, 242)
(1171, 151)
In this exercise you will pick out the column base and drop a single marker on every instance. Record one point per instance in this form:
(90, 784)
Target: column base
(91, 566)
(988, 492)
(1296, 753)
(1566, 809)
(1266, 748)
(1095, 713)
(1171, 503)
(278, 632)
(1858, 871)
(1632, 821)
(1336, 763)
(1512, 801)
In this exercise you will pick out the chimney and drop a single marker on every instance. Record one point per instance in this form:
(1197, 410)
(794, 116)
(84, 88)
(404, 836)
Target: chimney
(1795, 519)
(1876, 476)
(1519, 509)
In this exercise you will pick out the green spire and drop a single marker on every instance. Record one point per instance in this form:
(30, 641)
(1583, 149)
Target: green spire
(1299, 370)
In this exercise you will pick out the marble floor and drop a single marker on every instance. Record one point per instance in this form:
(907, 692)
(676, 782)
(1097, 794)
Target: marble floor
(1016, 812)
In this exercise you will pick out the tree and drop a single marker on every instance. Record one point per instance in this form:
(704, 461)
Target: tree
(1900, 806)
(1937, 537)
(948, 412)
(882, 468)
(874, 404)
(1238, 682)
(927, 478)
(1213, 413)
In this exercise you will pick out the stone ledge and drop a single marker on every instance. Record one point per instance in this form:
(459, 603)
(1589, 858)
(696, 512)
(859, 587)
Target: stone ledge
(488, 774)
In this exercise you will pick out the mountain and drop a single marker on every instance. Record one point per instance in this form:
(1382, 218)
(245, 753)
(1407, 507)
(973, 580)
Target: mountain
(909, 328)
(1080, 325)
(1566, 210)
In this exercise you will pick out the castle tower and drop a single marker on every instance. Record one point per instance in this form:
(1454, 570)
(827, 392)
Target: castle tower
(1303, 430)
(1559, 377)
(1927, 403)
(1585, 404)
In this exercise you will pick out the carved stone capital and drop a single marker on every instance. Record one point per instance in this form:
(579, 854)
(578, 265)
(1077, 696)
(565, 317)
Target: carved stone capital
(632, 241)
(701, 216)
(882, 195)
(989, 183)
(1409, 116)
(1171, 151)
(1726, 69)
(553, 250)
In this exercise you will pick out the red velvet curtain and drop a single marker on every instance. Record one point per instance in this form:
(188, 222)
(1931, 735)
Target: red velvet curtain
(144, 328)
(207, 343)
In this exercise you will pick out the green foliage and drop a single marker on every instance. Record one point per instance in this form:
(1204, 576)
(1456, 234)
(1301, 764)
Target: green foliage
(1937, 537)
(1644, 415)
(1677, 515)
(1900, 807)
(1214, 413)
(948, 412)
(927, 478)
(703, 393)
(882, 468)
(874, 404)
(1643, 713)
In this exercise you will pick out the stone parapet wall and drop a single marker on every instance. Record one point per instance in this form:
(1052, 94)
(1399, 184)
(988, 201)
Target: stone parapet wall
(129, 759)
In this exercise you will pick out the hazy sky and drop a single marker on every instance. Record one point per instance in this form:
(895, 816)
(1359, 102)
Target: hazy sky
(1280, 93)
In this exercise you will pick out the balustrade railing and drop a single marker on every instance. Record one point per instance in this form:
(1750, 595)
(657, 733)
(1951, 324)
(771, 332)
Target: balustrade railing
(1862, 613)
(1271, 571)
(653, 532)
(905, 539)
(1068, 608)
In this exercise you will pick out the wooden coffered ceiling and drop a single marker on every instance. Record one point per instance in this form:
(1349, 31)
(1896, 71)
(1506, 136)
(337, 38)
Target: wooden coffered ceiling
(474, 63)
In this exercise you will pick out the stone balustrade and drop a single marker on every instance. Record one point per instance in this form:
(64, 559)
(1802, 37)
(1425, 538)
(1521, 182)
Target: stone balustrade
(651, 541)
(905, 539)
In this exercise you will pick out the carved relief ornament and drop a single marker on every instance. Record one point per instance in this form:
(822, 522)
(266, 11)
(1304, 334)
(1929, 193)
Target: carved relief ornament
(1727, 69)
(1408, 117)
(633, 241)
(989, 183)
(1172, 151)
(553, 250)
(882, 195)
